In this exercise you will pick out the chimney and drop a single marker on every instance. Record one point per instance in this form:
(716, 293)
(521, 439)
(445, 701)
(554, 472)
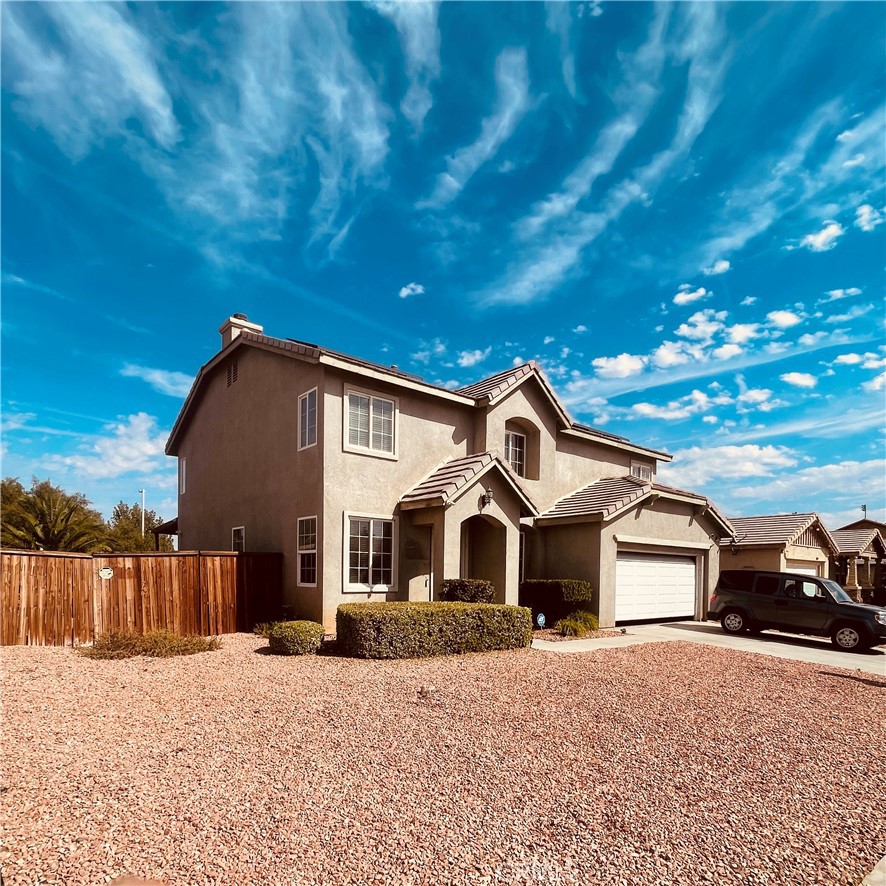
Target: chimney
(236, 324)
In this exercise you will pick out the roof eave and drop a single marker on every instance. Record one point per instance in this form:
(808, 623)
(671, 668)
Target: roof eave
(618, 444)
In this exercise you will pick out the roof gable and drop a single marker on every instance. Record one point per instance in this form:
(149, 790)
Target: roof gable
(607, 499)
(773, 530)
(855, 541)
(448, 482)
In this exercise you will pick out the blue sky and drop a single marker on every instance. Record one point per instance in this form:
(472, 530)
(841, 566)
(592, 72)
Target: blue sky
(676, 210)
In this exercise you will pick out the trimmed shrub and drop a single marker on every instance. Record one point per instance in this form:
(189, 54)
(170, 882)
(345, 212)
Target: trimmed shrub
(468, 590)
(557, 598)
(156, 644)
(295, 637)
(420, 630)
(263, 629)
(579, 624)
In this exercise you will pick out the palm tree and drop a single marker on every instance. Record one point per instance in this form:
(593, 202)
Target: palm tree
(48, 518)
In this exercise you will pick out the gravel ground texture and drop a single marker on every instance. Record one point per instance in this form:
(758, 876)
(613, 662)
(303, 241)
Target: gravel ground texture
(670, 763)
(557, 637)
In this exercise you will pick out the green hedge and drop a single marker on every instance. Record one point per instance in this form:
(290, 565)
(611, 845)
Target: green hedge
(295, 637)
(556, 597)
(468, 590)
(419, 630)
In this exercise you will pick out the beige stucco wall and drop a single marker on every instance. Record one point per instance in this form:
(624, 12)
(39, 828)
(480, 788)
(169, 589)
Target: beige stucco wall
(565, 463)
(244, 467)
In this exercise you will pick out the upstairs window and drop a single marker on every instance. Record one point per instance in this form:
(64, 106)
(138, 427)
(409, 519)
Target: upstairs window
(515, 452)
(307, 419)
(371, 423)
(641, 471)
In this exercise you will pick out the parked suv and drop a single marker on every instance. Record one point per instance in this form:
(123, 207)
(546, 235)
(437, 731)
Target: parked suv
(752, 600)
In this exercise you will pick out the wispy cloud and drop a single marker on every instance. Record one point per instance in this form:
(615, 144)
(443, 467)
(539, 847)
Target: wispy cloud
(721, 266)
(416, 25)
(512, 102)
(411, 289)
(697, 466)
(173, 384)
(687, 295)
(837, 294)
(825, 239)
(472, 358)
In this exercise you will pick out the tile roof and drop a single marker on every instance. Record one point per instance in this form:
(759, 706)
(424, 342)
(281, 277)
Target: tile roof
(606, 498)
(444, 485)
(772, 529)
(496, 384)
(854, 541)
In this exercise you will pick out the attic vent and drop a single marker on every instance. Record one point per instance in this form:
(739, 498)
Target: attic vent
(233, 370)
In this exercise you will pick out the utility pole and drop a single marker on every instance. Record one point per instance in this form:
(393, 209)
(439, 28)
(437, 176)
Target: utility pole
(143, 511)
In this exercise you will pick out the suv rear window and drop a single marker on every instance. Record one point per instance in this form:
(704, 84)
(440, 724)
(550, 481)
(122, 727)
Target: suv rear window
(767, 585)
(737, 580)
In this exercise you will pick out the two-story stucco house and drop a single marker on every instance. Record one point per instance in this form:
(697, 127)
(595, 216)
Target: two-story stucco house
(377, 485)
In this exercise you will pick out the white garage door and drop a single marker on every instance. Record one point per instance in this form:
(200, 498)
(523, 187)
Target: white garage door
(654, 586)
(804, 567)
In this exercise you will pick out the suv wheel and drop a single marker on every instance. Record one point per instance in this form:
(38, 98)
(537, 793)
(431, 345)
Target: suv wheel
(849, 638)
(734, 622)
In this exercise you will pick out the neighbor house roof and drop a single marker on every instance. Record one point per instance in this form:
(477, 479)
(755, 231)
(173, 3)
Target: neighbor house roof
(485, 392)
(773, 530)
(448, 482)
(607, 499)
(854, 541)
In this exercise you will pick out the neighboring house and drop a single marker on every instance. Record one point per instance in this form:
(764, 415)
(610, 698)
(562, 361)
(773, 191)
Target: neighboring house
(780, 542)
(859, 563)
(376, 485)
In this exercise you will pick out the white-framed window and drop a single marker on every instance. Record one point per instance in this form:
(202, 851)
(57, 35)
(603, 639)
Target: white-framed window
(370, 424)
(182, 475)
(515, 452)
(307, 419)
(641, 471)
(238, 538)
(370, 545)
(307, 551)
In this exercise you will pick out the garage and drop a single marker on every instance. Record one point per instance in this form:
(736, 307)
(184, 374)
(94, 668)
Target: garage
(803, 567)
(650, 586)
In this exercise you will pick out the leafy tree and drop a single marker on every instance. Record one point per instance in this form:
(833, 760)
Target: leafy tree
(45, 517)
(125, 529)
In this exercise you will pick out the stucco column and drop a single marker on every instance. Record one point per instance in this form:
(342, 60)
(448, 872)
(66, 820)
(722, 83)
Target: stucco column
(852, 587)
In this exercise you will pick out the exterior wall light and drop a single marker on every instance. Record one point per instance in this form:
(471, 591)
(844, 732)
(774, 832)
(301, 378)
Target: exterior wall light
(487, 497)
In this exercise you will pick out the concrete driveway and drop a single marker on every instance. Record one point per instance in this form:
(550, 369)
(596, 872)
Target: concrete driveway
(811, 649)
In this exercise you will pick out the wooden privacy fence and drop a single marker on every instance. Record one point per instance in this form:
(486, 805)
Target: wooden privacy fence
(59, 599)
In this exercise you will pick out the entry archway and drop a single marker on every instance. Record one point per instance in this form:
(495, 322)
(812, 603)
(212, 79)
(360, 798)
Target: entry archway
(484, 548)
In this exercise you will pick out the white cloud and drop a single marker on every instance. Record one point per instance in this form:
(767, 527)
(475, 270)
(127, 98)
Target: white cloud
(837, 294)
(783, 319)
(698, 466)
(848, 359)
(686, 297)
(548, 339)
(702, 325)
(512, 102)
(867, 218)
(132, 445)
(724, 352)
(799, 379)
(824, 239)
(622, 366)
(435, 349)
(670, 353)
(872, 361)
(580, 328)
(710, 419)
(416, 25)
(472, 358)
(691, 404)
(749, 300)
(743, 332)
(851, 314)
(175, 384)
(412, 289)
(852, 162)
(809, 339)
(721, 266)
(842, 480)
(875, 384)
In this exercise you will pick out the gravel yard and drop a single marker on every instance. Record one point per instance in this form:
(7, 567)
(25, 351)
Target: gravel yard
(667, 763)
